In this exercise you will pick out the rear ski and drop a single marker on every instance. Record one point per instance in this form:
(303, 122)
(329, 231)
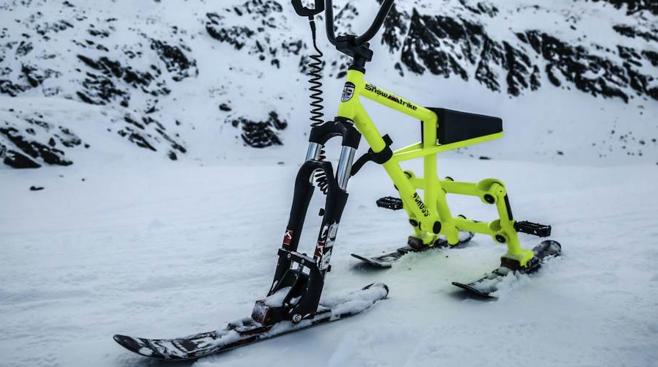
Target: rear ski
(387, 260)
(488, 285)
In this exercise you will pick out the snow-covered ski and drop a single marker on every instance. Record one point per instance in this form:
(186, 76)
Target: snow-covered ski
(247, 331)
(488, 285)
(387, 260)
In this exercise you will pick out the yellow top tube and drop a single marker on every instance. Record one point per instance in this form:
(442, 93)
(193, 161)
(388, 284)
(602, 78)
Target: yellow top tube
(357, 86)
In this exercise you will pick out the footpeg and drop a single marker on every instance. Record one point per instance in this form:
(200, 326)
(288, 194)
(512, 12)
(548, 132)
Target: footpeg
(390, 202)
(535, 229)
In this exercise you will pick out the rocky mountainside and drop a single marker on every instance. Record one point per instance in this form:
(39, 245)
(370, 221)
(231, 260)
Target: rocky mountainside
(464, 47)
(212, 79)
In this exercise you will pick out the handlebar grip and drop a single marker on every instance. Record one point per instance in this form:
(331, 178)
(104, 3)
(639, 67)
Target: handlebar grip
(377, 24)
(372, 30)
(329, 21)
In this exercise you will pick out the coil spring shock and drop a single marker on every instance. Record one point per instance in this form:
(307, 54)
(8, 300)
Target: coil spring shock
(315, 68)
(319, 177)
(321, 181)
(315, 80)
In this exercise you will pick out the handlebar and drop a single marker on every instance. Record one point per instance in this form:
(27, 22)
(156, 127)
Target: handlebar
(372, 30)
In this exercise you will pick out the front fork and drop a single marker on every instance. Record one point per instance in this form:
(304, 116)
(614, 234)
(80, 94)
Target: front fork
(299, 278)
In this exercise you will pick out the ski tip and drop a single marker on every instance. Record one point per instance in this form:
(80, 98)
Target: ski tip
(134, 345)
(127, 342)
(377, 285)
(555, 244)
(371, 263)
(548, 248)
(472, 291)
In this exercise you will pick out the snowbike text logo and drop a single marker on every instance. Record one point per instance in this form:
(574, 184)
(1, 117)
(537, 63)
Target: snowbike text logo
(421, 205)
(400, 101)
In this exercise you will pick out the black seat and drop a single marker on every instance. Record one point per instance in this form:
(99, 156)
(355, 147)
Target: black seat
(456, 126)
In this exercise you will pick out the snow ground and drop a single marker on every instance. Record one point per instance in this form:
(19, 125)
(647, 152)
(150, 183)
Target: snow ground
(172, 249)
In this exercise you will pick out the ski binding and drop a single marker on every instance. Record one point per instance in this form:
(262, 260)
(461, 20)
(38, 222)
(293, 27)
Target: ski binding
(387, 260)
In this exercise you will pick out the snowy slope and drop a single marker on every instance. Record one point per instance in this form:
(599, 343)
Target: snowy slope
(203, 81)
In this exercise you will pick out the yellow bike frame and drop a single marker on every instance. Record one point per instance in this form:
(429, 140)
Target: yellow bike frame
(424, 214)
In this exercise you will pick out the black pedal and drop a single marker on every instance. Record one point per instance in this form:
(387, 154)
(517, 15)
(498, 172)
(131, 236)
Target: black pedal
(535, 229)
(390, 202)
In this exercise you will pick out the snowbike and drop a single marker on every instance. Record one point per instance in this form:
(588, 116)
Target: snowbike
(293, 301)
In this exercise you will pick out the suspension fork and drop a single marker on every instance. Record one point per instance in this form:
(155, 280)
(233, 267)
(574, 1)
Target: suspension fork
(297, 274)
(336, 184)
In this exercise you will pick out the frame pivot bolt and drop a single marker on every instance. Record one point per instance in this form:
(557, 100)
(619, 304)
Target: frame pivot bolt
(489, 198)
(500, 238)
(436, 228)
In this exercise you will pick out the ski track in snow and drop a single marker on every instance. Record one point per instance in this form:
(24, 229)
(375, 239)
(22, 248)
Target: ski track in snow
(169, 250)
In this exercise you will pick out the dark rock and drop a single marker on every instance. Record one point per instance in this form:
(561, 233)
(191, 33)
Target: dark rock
(235, 36)
(111, 80)
(573, 63)
(24, 48)
(12, 89)
(136, 138)
(175, 145)
(68, 138)
(395, 27)
(652, 56)
(631, 32)
(29, 77)
(257, 17)
(56, 27)
(175, 60)
(633, 6)
(35, 149)
(445, 45)
(36, 188)
(261, 134)
(18, 160)
(101, 33)
(480, 8)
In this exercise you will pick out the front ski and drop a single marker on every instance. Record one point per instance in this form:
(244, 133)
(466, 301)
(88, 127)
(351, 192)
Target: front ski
(247, 331)
(488, 285)
(387, 260)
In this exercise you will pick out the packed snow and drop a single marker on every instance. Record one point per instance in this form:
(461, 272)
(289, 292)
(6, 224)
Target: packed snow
(172, 249)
